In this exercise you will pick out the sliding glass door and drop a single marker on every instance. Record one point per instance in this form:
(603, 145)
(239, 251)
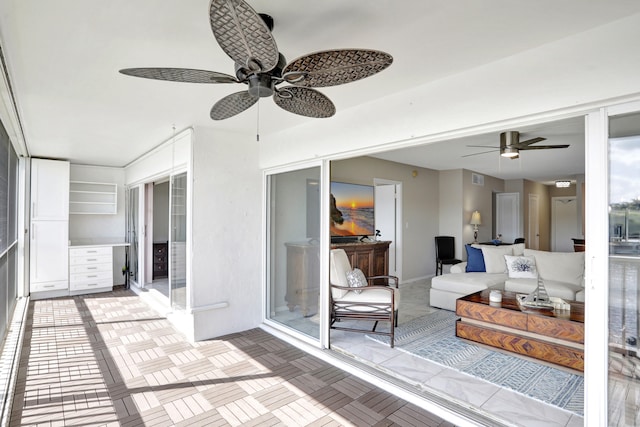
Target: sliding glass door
(8, 231)
(294, 224)
(624, 270)
(133, 218)
(178, 241)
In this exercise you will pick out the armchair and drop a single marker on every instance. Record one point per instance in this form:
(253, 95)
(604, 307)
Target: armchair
(374, 302)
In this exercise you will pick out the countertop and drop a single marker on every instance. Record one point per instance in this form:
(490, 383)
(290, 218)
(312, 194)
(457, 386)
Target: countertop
(98, 242)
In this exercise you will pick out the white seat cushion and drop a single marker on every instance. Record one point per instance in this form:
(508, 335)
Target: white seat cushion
(372, 296)
(468, 283)
(554, 288)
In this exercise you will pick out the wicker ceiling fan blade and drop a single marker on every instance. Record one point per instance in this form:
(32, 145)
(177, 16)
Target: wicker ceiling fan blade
(335, 67)
(304, 101)
(243, 34)
(232, 104)
(184, 75)
(544, 147)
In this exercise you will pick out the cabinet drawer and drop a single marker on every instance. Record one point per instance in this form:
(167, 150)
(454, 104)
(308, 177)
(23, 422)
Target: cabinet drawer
(90, 251)
(90, 268)
(90, 259)
(90, 284)
(98, 275)
(49, 286)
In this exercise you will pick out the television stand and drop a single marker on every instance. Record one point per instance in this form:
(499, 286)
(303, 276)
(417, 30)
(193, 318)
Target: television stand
(344, 239)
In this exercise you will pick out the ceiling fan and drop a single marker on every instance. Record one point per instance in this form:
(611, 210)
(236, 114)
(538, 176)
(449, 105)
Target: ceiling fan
(510, 145)
(245, 36)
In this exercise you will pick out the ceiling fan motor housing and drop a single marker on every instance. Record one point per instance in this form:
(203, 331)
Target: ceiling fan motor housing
(509, 138)
(260, 85)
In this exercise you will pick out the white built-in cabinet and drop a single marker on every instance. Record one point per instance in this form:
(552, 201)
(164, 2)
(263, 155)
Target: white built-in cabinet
(91, 268)
(49, 230)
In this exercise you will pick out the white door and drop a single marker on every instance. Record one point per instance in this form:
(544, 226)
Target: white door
(49, 252)
(386, 219)
(564, 223)
(533, 236)
(508, 216)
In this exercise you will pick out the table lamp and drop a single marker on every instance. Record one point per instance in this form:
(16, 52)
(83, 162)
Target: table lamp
(475, 221)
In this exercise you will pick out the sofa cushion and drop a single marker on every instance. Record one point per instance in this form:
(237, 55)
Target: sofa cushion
(554, 288)
(565, 267)
(475, 260)
(516, 248)
(494, 258)
(521, 267)
(460, 267)
(468, 283)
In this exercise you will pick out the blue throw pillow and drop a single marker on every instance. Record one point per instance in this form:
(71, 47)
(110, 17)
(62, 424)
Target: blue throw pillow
(475, 260)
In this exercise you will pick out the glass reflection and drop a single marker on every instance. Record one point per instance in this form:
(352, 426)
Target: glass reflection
(624, 272)
(294, 256)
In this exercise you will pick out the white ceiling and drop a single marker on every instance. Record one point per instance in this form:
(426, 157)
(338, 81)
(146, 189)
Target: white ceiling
(63, 59)
(535, 165)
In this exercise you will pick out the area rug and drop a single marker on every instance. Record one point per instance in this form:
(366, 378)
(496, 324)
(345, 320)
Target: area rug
(432, 337)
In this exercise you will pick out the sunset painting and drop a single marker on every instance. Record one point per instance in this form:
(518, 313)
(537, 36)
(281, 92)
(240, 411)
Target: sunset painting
(352, 211)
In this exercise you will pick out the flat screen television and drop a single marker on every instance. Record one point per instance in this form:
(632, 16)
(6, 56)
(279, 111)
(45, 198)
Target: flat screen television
(352, 211)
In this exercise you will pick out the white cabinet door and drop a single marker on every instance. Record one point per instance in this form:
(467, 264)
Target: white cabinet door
(49, 190)
(49, 252)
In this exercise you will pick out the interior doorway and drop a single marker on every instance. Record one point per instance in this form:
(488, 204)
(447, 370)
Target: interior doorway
(533, 238)
(508, 216)
(388, 220)
(564, 223)
(157, 237)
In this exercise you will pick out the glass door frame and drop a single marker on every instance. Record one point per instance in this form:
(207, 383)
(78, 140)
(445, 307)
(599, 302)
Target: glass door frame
(143, 276)
(597, 261)
(324, 165)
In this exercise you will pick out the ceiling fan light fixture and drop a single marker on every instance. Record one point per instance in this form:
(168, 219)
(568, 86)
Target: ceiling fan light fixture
(509, 152)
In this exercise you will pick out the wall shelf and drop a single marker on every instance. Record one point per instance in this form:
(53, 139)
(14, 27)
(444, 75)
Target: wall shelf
(93, 198)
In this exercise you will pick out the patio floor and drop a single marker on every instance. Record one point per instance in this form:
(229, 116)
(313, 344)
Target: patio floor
(109, 359)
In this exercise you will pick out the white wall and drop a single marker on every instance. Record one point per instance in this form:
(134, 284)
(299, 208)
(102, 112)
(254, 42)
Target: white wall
(419, 207)
(227, 237)
(450, 208)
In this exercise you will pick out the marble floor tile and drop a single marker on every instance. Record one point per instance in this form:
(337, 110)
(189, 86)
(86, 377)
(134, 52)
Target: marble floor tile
(526, 411)
(486, 397)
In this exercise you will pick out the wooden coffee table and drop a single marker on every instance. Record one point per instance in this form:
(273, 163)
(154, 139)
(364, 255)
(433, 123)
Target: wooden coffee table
(552, 336)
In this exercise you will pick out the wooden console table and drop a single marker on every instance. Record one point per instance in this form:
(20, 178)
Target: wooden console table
(372, 258)
(546, 335)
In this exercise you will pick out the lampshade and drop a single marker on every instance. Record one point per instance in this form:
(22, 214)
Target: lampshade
(475, 218)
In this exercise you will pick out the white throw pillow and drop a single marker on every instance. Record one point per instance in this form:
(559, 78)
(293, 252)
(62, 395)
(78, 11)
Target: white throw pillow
(494, 258)
(521, 267)
(356, 279)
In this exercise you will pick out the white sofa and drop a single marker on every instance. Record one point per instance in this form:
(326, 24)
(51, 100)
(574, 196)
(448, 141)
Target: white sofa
(562, 273)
